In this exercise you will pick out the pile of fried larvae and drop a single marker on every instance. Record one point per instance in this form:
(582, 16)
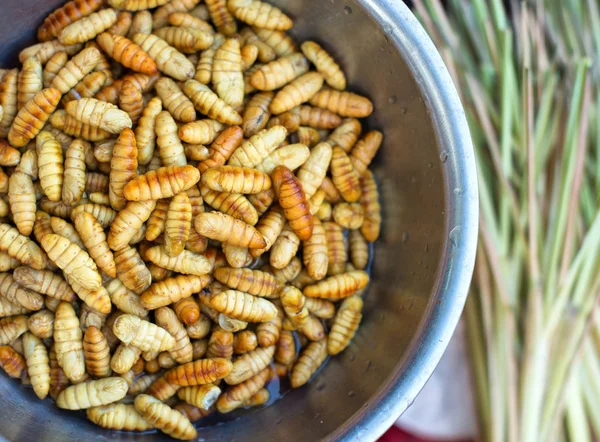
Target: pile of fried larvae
(186, 210)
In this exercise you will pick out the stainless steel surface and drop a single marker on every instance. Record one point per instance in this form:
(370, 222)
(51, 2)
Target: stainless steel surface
(423, 261)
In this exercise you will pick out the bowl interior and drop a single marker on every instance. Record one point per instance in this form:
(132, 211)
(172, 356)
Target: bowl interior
(410, 257)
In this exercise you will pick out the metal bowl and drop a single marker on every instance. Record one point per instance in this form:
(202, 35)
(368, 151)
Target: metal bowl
(423, 261)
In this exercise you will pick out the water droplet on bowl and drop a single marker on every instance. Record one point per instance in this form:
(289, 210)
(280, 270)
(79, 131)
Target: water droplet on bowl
(443, 156)
(430, 164)
(351, 393)
(403, 110)
(347, 10)
(392, 100)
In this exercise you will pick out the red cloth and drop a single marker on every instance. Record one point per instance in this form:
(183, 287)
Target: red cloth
(396, 434)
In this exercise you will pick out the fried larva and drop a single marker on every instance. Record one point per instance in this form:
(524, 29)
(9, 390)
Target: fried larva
(16, 294)
(94, 238)
(64, 16)
(293, 301)
(365, 150)
(225, 228)
(131, 101)
(125, 299)
(338, 286)
(131, 270)
(371, 207)
(168, 59)
(62, 121)
(187, 262)
(222, 148)
(240, 305)
(187, 310)
(136, 5)
(291, 156)
(142, 334)
(101, 114)
(92, 393)
(12, 362)
(260, 14)
(74, 182)
(163, 417)
(227, 77)
(239, 394)
(348, 215)
(103, 214)
(311, 358)
(344, 176)
(97, 353)
(254, 282)
(118, 417)
(173, 99)
(208, 103)
(182, 351)
(186, 40)
(164, 182)
(253, 151)
(141, 23)
(200, 372)
(233, 204)
(68, 342)
(123, 167)
(145, 134)
(250, 364)
(336, 248)
(170, 148)
(343, 103)
(122, 25)
(280, 72)
(171, 290)
(325, 64)
(293, 201)
(38, 366)
(299, 91)
(31, 118)
(256, 115)
(21, 197)
(88, 27)
(346, 135)
(270, 226)
(29, 81)
(44, 282)
(221, 17)
(320, 307)
(45, 50)
(178, 224)
(21, 247)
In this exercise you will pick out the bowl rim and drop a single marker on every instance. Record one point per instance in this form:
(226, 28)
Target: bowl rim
(398, 392)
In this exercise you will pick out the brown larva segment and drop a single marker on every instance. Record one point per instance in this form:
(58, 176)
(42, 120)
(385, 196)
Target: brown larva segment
(344, 176)
(178, 224)
(29, 81)
(343, 103)
(299, 91)
(280, 72)
(260, 14)
(345, 325)
(74, 182)
(64, 16)
(221, 17)
(33, 116)
(88, 27)
(173, 99)
(311, 358)
(325, 64)
(168, 59)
